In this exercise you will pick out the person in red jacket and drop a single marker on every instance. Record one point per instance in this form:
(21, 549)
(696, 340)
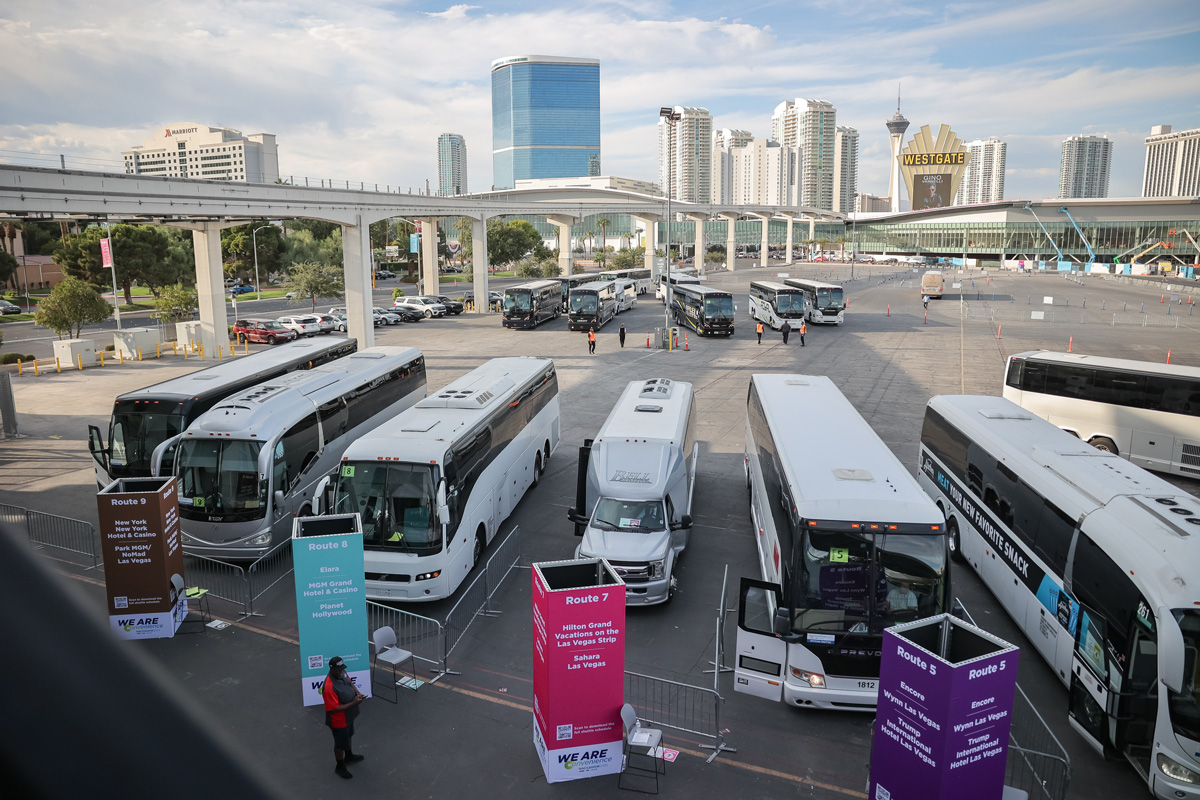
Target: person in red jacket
(341, 707)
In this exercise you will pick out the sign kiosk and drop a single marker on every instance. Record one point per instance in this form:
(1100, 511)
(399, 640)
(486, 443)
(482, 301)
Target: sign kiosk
(945, 707)
(331, 601)
(578, 668)
(139, 539)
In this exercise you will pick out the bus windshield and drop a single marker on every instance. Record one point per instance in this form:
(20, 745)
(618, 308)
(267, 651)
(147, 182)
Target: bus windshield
(639, 516)
(907, 571)
(135, 434)
(516, 302)
(396, 502)
(829, 298)
(584, 304)
(1185, 705)
(789, 303)
(219, 481)
(718, 307)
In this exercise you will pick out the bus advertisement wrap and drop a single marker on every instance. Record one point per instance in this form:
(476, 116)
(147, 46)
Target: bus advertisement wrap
(331, 608)
(143, 560)
(578, 668)
(941, 728)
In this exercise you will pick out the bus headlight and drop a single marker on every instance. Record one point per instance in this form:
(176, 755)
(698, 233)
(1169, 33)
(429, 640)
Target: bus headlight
(658, 568)
(260, 540)
(1176, 771)
(814, 679)
(428, 576)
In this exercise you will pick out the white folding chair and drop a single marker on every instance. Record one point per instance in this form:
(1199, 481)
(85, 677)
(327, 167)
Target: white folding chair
(387, 651)
(638, 736)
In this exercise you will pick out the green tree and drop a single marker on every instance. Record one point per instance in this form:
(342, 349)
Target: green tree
(841, 240)
(509, 242)
(8, 267)
(319, 228)
(463, 227)
(71, 305)
(628, 259)
(590, 236)
(175, 303)
(303, 247)
(603, 224)
(138, 253)
(313, 279)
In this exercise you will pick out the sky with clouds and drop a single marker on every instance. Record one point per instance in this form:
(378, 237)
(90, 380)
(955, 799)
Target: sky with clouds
(361, 90)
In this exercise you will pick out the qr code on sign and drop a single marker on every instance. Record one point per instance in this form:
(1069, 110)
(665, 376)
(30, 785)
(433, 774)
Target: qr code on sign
(882, 793)
(120, 602)
(565, 732)
(316, 662)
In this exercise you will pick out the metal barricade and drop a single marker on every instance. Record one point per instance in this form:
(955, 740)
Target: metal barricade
(267, 571)
(669, 704)
(222, 579)
(1037, 761)
(507, 556)
(422, 636)
(13, 516)
(63, 533)
(476, 599)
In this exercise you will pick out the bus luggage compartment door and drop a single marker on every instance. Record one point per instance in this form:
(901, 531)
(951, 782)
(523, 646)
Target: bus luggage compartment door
(761, 655)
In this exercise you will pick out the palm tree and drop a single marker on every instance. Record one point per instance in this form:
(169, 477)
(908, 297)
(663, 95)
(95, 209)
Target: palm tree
(841, 240)
(603, 223)
(589, 235)
(808, 243)
(462, 226)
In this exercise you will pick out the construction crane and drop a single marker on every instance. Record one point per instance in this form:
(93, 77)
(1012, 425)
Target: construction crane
(1091, 252)
(1029, 208)
(1119, 256)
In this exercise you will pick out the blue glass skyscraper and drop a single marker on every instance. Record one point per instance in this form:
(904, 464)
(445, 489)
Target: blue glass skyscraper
(545, 118)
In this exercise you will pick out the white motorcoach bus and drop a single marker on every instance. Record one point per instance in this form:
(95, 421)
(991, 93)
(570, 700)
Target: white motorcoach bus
(1095, 559)
(777, 304)
(144, 418)
(1147, 413)
(434, 484)
(848, 545)
(826, 302)
(641, 278)
(677, 278)
(254, 461)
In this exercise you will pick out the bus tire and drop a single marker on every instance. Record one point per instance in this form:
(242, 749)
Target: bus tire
(545, 455)
(537, 469)
(306, 510)
(480, 543)
(1104, 444)
(954, 541)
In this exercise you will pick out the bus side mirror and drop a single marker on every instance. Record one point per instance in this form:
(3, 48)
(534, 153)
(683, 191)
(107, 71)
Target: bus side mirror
(573, 515)
(279, 500)
(320, 501)
(96, 446)
(957, 611)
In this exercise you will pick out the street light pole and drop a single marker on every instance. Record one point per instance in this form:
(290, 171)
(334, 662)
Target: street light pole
(670, 115)
(257, 284)
(113, 267)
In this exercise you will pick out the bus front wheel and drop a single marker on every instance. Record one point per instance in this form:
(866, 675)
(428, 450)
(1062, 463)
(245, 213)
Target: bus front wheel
(480, 543)
(953, 541)
(537, 469)
(1104, 444)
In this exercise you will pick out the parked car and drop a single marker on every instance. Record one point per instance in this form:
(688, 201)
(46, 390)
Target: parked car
(9, 308)
(241, 288)
(339, 321)
(386, 316)
(427, 305)
(329, 323)
(495, 299)
(267, 331)
(303, 325)
(384, 274)
(408, 314)
(452, 306)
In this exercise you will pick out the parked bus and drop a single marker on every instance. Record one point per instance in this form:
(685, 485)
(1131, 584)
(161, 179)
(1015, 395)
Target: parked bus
(704, 309)
(848, 545)
(434, 484)
(569, 282)
(528, 305)
(254, 461)
(826, 303)
(932, 284)
(1147, 413)
(777, 304)
(678, 278)
(591, 305)
(145, 418)
(1095, 559)
(641, 278)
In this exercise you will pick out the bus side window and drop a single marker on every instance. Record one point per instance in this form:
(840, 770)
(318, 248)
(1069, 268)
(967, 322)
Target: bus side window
(300, 445)
(975, 479)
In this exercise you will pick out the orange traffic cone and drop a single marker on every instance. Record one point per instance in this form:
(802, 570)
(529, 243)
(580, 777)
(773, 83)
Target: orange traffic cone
(685, 340)
(647, 341)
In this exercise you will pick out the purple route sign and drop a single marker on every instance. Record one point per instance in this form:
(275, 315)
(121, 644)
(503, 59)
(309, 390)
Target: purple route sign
(945, 707)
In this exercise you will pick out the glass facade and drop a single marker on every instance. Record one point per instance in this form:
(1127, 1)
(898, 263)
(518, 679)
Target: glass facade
(545, 121)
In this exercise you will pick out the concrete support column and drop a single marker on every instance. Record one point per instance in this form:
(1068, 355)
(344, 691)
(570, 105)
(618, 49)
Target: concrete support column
(479, 265)
(730, 242)
(763, 250)
(210, 288)
(812, 232)
(791, 221)
(648, 260)
(429, 257)
(566, 259)
(698, 258)
(356, 264)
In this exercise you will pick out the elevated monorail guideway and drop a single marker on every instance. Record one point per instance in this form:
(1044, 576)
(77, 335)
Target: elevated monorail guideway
(207, 207)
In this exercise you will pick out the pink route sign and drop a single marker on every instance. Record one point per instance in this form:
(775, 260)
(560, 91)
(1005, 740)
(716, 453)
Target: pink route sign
(578, 668)
(106, 252)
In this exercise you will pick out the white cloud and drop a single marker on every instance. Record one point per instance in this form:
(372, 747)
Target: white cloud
(452, 13)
